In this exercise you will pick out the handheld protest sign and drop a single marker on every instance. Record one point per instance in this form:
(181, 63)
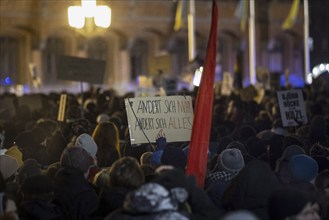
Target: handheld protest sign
(148, 115)
(292, 107)
(61, 110)
(81, 69)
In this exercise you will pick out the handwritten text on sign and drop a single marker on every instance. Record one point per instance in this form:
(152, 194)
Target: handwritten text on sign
(292, 107)
(173, 114)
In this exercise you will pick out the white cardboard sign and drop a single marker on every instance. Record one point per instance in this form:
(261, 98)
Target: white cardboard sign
(148, 115)
(292, 107)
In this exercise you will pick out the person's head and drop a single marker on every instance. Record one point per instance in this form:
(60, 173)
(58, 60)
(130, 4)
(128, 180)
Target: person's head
(8, 208)
(303, 168)
(26, 141)
(76, 157)
(52, 169)
(8, 167)
(106, 134)
(174, 156)
(126, 172)
(322, 181)
(102, 179)
(230, 160)
(149, 172)
(30, 167)
(102, 118)
(87, 142)
(80, 126)
(292, 204)
(146, 158)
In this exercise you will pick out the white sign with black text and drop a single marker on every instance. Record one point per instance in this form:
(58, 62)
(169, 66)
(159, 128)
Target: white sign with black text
(148, 115)
(292, 107)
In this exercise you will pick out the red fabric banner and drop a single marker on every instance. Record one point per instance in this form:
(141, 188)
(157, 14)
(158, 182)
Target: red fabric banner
(197, 158)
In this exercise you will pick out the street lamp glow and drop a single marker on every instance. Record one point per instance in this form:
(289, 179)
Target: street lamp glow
(75, 15)
(315, 71)
(88, 8)
(197, 76)
(309, 79)
(103, 16)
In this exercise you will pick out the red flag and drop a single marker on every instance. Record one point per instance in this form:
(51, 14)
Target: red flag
(197, 159)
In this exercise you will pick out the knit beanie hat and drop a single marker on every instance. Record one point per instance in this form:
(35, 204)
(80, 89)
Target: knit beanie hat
(154, 198)
(303, 167)
(287, 202)
(289, 152)
(16, 153)
(174, 156)
(76, 157)
(240, 215)
(230, 160)
(292, 150)
(8, 166)
(87, 142)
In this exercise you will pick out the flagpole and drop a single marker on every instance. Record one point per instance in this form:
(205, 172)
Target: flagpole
(252, 43)
(191, 32)
(306, 41)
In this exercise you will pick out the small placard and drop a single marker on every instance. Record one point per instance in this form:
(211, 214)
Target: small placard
(292, 107)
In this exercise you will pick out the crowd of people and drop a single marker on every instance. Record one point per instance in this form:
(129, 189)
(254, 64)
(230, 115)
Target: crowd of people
(86, 168)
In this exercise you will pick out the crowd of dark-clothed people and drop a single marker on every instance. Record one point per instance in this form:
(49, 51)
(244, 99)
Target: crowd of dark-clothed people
(86, 168)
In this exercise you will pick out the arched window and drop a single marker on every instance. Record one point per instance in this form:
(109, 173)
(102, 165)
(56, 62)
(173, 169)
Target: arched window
(97, 49)
(179, 50)
(54, 47)
(9, 61)
(138, 58)
(275, 57)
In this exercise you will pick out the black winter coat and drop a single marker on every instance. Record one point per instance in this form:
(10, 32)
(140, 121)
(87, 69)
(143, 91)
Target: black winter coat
(73, 194)
(38, 210)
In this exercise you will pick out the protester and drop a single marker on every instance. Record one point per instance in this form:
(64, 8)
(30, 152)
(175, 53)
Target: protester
(229, 163)
(322, 193)
(73, 195)
(116, 182)
(106, 136)
(250, 189)
(250, 155)
(289, 203)
(87, 142)
(37, 194)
